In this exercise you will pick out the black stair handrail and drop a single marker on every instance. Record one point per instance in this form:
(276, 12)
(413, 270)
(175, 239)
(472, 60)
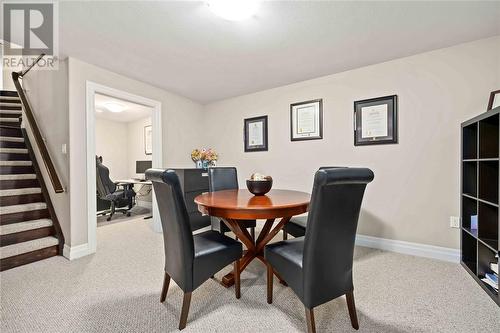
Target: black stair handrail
(47, 161)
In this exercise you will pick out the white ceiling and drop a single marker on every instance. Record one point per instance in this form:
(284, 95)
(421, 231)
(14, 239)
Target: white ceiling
(131, 112)
(183, 47)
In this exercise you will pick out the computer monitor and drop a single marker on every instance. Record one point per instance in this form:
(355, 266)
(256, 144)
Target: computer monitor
(142, 166)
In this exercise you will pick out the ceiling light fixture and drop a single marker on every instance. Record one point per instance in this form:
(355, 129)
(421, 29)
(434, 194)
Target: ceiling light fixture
(114, 107)
(234, 10)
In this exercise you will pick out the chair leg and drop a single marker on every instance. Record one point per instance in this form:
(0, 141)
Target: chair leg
(285, 235)
(252, 233)
(164, 290)
(269, 284)
(185, 310)
(311, 326)
(112, 212)
(237, 281)
(352, 309)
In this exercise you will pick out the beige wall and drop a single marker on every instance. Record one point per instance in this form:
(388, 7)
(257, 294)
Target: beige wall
(120, 152)
(181, 128)
(135, 148)
(47, 92)
(111, 142)
(6, 72)
(416, 186)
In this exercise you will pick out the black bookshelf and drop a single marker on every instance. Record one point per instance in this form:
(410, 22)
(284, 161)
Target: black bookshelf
(479, 196)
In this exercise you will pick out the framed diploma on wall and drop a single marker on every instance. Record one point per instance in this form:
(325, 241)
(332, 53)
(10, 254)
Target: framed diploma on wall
(255, 132)
(375, 121)
(306, 120)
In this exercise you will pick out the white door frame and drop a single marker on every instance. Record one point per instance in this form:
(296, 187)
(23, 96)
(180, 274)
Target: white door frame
(92, 89)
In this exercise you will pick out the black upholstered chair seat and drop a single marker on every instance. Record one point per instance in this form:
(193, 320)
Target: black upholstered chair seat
(296, 226)
(286, 258)
(212, 252)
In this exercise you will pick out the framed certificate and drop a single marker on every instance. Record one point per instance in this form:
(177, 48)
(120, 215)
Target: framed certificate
(306, 120)
(255, 131)
(375, 121)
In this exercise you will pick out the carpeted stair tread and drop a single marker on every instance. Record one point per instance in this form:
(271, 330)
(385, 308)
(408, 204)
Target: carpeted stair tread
(25, 226)
(20, 191)
(12, 112)
(20, 176)
(25, 247)
(15, 163)
(14, 150)
(11, 138)
(23, 208)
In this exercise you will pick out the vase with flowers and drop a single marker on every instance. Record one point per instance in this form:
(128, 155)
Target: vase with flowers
(204, 158)
(196, 157)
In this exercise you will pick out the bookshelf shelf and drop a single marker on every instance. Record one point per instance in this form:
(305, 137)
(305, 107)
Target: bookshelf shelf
(469, 178)
(465, 195)
(480, 196)
(481, 159)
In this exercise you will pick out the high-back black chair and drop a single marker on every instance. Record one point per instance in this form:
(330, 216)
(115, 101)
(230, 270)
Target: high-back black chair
(318, 267)
(226, 178)
(119, 195)
(297, 224)
(190, 259)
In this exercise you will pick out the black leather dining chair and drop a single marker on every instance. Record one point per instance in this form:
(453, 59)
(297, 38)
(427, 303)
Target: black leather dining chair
(297, 224)
(190, 259)
(226, 178)
(318, 267)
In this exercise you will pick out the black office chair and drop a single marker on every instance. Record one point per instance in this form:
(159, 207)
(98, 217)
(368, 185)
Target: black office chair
(318, 267)
(190, 259)
(297, 224)
(119, 195)
(226, 178)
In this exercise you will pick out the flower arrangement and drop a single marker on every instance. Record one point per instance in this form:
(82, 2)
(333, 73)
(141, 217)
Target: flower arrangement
(204, 157)
(210, 155)
(196, 155)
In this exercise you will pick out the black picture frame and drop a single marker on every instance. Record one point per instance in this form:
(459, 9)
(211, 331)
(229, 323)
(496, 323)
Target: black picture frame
(493, 96)
(392, 121)
(320, 129)
(247, 123)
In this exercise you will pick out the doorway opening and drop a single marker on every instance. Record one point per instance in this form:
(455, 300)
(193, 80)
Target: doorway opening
(123, 140)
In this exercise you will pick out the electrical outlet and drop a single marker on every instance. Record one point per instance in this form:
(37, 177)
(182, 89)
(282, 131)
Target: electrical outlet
(454, 222)
(64, 149)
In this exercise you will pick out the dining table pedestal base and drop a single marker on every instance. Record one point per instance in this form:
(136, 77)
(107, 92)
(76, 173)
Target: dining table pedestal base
(254, 250)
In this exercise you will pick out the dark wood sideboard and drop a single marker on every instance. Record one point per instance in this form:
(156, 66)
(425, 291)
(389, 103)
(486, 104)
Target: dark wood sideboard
(193, 183)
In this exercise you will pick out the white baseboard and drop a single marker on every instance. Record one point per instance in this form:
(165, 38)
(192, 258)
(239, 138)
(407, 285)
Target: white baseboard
(76, 252)
(416, 249)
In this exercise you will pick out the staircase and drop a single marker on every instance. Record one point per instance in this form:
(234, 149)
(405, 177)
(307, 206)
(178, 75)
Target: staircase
(29, 230)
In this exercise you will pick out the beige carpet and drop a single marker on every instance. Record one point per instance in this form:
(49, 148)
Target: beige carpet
(118, 290)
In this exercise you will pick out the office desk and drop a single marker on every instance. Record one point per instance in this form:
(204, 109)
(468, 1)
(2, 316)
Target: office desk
(136, 182)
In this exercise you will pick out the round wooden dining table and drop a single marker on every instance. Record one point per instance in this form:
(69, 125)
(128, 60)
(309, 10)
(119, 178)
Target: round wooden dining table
(232, 206)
